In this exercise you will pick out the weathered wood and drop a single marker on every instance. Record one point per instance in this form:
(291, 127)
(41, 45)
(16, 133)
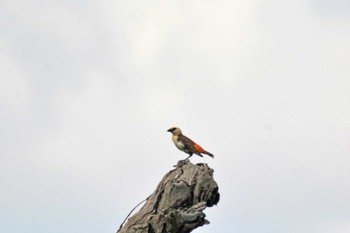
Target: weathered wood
(177, 204)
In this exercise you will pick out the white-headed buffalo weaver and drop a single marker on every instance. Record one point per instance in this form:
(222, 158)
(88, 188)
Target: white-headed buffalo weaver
(186, 145)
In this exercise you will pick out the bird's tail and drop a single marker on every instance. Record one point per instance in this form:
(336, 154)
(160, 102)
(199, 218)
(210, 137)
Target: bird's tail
(207, 153)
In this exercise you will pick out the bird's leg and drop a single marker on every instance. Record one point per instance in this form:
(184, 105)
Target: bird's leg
(188, 157)
(185, 160)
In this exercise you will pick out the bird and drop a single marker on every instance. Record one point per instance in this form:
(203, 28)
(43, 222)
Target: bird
(186, 145)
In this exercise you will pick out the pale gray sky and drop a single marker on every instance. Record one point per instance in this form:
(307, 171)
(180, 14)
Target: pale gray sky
(89, 88)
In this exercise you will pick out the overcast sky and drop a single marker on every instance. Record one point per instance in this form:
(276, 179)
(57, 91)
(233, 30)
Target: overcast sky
(89, 88)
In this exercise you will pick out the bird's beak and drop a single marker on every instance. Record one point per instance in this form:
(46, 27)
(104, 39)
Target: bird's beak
(169, 130)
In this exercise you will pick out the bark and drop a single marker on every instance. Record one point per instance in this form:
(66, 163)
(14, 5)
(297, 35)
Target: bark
(177, 204)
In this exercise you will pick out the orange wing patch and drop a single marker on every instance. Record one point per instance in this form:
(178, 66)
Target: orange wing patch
(199, 148)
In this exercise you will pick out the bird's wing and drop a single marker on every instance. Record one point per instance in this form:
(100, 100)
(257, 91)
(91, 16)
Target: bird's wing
(189, 144)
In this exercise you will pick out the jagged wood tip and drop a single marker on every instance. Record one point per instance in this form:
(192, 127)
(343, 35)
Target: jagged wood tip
(177, 204)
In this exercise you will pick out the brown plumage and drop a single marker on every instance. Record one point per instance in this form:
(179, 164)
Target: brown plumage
(185, 144)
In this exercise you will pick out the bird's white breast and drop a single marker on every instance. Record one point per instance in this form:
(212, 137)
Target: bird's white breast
(179, 144)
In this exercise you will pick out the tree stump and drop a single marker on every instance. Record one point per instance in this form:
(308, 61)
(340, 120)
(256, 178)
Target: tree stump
(177, 204)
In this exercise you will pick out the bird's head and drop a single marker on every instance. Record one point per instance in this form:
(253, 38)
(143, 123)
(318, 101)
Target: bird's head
(175, 131)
